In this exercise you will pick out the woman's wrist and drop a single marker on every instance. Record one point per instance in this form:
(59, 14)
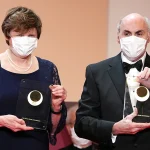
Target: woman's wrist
(56, 110)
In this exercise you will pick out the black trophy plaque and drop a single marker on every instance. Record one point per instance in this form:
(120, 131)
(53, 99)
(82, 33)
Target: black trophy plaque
(143, 105)
(33, 104)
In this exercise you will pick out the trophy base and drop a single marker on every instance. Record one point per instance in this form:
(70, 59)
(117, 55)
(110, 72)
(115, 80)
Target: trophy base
(141, 119)
(36, 124)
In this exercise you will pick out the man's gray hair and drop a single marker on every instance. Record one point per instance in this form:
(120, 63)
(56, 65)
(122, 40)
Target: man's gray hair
(147, 21)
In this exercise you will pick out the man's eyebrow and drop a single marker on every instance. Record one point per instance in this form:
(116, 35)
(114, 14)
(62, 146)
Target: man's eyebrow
(135, 32)
(127, 31)
(139, 31)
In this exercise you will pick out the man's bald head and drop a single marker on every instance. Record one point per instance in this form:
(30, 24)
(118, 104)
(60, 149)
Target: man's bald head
(133, 17)
(137, 26)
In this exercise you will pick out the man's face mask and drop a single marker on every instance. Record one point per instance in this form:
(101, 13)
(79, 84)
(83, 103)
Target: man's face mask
(132, 47)
(23, 46)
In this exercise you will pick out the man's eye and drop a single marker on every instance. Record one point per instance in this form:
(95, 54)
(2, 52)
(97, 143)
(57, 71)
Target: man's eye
(139, 34)
(126, 33)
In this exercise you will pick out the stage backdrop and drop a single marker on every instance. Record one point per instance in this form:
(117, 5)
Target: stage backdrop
(74, 35)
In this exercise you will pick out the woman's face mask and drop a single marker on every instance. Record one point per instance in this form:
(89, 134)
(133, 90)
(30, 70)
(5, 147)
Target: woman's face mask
(23, 45)
(133, 47)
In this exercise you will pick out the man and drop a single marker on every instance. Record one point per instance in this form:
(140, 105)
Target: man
(101, 115)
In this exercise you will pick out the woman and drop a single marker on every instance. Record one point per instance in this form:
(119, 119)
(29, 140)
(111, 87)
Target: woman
(22, 29)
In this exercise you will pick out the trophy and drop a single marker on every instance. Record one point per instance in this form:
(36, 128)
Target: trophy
(141, 97)
(33, 105)
(143, 106)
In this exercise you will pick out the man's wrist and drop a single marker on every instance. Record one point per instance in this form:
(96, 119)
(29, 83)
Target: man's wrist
(1, 121)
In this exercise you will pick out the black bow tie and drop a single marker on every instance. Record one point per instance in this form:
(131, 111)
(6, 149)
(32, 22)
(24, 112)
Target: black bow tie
(138, 65)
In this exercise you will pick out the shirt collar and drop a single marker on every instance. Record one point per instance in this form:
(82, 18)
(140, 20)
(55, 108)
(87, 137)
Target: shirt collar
(124, 59)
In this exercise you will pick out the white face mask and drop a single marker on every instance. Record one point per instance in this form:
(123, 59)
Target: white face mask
(23, 46)
(79, 142)
(132, 47)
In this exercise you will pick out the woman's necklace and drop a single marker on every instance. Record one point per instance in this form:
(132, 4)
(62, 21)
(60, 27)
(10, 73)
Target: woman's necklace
(14, 65)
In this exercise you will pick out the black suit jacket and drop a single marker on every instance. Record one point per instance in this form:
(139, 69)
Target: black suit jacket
(101, 105)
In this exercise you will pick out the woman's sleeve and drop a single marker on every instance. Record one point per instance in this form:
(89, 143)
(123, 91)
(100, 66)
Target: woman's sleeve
(62, 121)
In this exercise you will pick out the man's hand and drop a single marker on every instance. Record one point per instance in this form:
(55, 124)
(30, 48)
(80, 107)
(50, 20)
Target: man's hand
(126, 126)
(59, 94)
(144, 77)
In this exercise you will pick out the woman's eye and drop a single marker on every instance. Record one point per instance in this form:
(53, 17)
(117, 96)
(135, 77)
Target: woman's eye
(19, 35)
(31, 36)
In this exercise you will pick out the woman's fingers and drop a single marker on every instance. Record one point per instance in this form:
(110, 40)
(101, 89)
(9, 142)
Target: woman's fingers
(15, 124)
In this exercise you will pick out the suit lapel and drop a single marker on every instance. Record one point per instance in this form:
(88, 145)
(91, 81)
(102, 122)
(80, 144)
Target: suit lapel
(147, 61)
(117, 75)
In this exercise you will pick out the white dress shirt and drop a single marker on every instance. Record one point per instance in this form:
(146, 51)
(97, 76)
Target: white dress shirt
(133, 72)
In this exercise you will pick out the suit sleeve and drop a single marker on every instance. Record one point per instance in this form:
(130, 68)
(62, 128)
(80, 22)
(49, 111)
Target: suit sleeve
(89, 124)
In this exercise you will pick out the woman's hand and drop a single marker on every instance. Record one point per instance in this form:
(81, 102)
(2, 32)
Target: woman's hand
(13, 123)
(59, 94)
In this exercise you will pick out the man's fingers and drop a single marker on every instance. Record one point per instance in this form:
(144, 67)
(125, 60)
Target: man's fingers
(143, 73)
(132, 115)
(141, 125)
(147, 74)
(142, 81)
